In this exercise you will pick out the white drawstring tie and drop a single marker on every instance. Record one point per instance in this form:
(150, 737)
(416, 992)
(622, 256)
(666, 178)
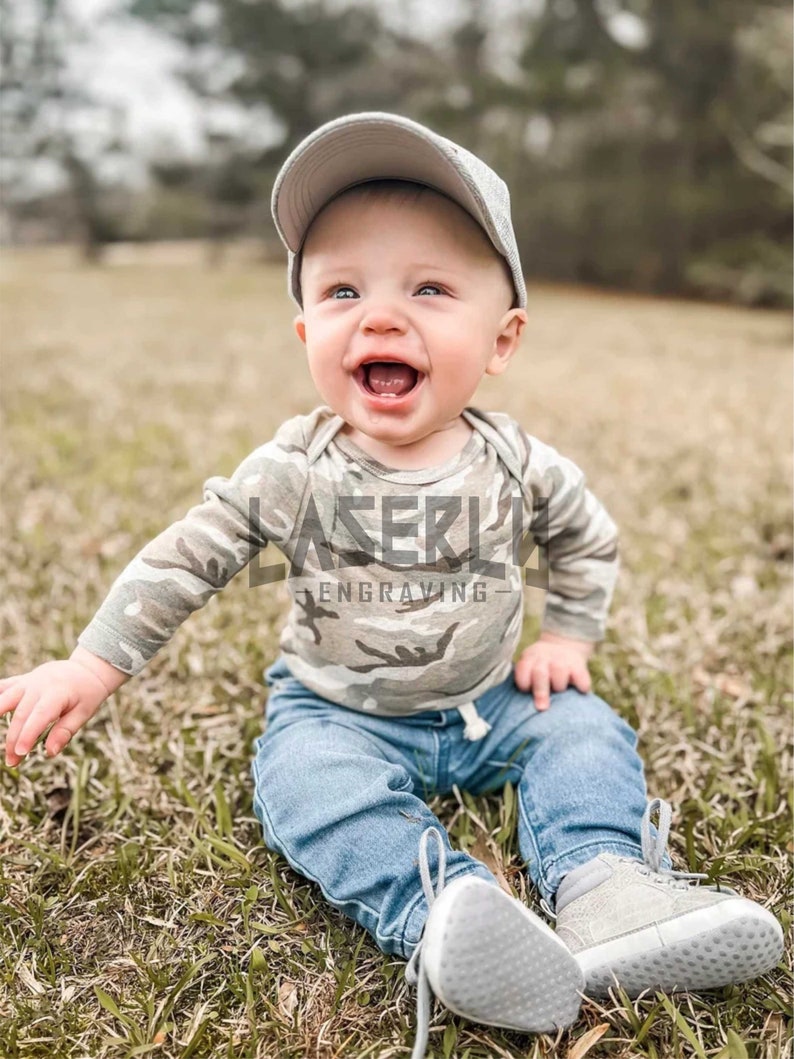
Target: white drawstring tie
(476, 727)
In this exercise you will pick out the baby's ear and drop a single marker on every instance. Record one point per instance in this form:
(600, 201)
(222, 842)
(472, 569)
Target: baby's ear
(300, 327)
(507, 341)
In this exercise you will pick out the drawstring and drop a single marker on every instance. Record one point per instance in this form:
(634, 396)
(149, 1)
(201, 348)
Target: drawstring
(476, 727)
(415, 972)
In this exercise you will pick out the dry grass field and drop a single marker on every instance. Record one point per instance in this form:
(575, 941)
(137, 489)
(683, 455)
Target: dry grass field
(140, 913)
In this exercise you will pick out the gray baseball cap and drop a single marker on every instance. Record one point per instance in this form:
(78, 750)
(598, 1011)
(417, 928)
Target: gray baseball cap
(377, 146)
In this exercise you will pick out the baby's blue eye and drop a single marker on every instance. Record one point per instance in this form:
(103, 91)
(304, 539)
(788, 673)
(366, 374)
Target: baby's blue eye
(430, 286)
(343, 292)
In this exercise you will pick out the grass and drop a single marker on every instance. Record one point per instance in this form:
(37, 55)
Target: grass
(140, 913)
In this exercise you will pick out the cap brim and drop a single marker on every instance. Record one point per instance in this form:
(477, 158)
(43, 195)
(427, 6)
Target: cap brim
(358, 150)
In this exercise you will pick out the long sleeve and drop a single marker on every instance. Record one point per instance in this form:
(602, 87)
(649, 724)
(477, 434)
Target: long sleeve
(581, 541)
(173, 575)
(184, 566)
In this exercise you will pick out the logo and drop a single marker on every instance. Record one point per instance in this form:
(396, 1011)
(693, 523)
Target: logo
(391, 545)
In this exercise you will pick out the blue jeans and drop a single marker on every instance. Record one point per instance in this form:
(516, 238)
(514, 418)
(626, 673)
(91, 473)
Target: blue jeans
(342, 794)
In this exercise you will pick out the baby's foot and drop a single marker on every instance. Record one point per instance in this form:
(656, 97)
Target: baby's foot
(487, 957)
(630, 923)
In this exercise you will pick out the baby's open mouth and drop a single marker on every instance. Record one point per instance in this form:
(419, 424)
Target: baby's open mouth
(387, 378)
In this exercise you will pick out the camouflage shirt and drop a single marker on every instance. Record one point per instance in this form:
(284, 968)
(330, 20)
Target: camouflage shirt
(406, 585)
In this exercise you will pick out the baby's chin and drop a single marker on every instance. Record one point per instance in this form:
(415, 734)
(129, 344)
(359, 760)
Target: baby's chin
(398, 431)
(423, 446)
(391, 434)
(403, 428)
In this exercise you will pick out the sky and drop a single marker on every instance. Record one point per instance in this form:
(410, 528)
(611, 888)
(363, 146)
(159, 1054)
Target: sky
(129, 64)
(125, 61)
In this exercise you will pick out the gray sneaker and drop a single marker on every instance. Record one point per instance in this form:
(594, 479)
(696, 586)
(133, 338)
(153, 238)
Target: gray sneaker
(487, 957)
(630, 922)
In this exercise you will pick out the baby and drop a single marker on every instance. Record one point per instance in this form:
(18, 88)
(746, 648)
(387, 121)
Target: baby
(407, 516)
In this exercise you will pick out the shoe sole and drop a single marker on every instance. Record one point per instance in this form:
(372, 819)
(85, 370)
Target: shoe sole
(490, 959)
(706, 949)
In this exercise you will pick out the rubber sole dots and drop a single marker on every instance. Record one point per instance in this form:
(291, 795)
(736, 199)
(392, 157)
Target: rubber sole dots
(738, 951)
(492, 960)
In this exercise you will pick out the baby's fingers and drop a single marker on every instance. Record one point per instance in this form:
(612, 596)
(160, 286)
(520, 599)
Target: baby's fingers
(10, 696)
(48, 709)
(581, 679)
(523, 673)
(540, 685)
(560, 673)
(70, 723)
(24, 707)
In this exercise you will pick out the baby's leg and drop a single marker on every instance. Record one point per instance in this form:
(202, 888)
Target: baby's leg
(334, 791)
(338, 803)
(584, 829)
(580, 782)
(582, 787)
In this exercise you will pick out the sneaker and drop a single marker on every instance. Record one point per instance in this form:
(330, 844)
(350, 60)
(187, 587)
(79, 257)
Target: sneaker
(630, 923)
(487, 957)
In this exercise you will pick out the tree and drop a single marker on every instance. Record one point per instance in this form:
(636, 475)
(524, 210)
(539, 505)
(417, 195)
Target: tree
(640, 185)
(53, 131)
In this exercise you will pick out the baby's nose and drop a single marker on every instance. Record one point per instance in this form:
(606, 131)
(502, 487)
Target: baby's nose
(383, 318)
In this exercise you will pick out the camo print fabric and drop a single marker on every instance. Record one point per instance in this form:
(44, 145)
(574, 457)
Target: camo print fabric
(387, 618)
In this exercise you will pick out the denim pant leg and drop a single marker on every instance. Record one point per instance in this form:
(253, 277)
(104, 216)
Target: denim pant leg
(580, 782)
(334, 792)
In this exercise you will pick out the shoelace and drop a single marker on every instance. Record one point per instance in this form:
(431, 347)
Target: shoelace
(415, 972)
(653, 850)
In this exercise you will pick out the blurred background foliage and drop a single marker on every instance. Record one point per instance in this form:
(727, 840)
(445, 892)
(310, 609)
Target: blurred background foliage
(647, 143)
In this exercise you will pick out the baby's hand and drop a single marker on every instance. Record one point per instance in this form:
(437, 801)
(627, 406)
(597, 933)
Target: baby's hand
(552, 663)
(66, 692)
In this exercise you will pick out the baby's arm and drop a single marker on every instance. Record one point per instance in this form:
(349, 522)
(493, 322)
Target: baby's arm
(581, 541)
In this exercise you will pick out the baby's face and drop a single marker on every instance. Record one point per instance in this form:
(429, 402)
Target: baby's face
(416, 283)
